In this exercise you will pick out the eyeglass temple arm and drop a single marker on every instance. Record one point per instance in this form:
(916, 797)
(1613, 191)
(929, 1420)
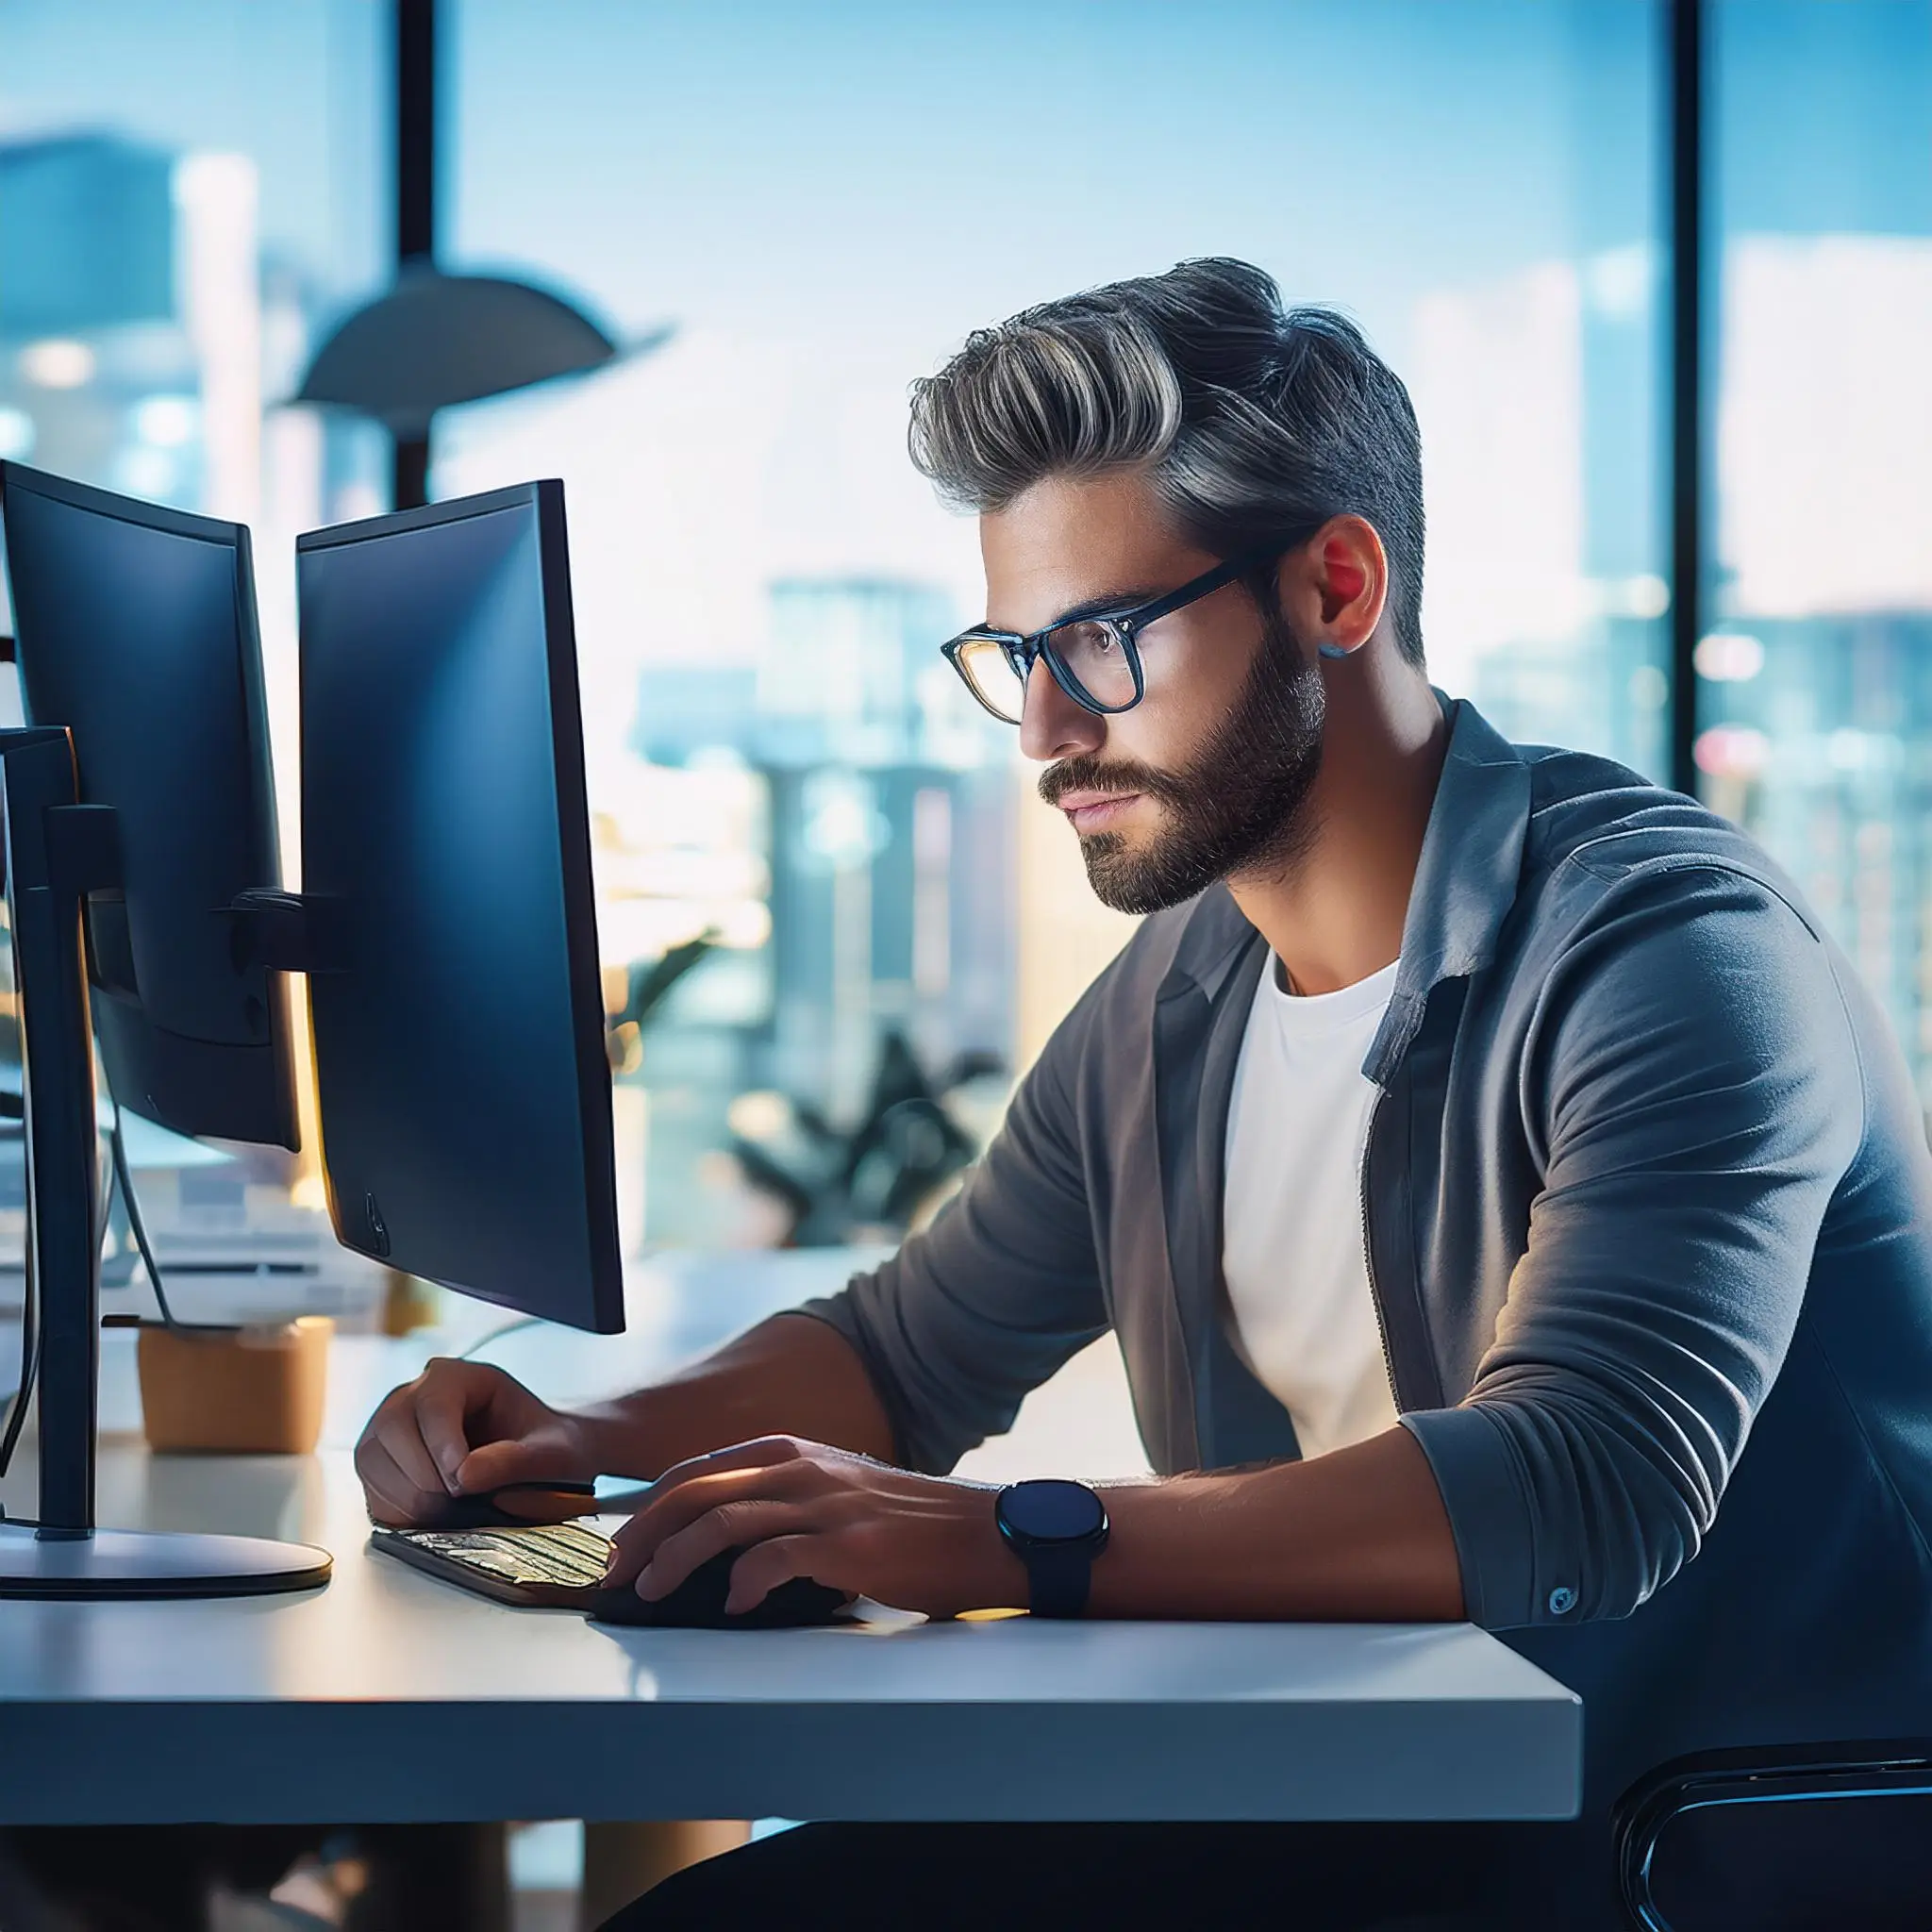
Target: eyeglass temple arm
(1200, 587)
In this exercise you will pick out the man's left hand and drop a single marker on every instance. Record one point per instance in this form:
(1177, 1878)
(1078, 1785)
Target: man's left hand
(797, 1509)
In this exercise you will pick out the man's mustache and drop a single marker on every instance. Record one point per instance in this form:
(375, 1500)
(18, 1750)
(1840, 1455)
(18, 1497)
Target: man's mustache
(1118, 775)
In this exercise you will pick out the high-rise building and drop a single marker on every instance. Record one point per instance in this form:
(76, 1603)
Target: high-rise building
(1543, 595)
(1815, 681)
(131, 319)
(887, 843)
(1815, 684)
(86, 243)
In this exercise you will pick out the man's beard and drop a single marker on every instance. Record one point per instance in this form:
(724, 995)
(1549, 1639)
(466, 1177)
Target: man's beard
(1234, 808)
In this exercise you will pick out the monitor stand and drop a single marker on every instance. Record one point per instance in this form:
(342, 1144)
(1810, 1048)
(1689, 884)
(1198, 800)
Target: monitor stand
(100, 1563)
(57, 851)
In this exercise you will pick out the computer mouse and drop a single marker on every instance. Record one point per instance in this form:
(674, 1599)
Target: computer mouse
(483, 1510)
(698, 1603)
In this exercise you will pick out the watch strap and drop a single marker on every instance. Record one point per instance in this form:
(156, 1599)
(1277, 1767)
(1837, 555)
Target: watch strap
(1059, 1576)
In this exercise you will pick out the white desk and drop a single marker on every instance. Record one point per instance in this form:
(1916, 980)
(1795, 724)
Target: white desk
(388, 1696)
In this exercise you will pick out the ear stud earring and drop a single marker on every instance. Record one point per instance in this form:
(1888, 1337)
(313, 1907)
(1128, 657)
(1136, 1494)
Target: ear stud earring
(1334, 651)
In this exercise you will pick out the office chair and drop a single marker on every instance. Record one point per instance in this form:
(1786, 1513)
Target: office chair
(1800, 1839)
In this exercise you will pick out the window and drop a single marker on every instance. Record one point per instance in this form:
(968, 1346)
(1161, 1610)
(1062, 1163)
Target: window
(1815, 680)
(187, 196)
(787, 214)
(818, 203)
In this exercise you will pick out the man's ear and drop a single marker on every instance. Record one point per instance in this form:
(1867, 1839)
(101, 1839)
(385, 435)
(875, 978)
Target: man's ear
(1334, 587)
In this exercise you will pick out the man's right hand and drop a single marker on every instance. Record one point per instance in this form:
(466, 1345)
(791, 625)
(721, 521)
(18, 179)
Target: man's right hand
(461, 1428)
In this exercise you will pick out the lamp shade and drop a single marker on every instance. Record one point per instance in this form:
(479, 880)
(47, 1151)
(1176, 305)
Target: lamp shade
(436, 338)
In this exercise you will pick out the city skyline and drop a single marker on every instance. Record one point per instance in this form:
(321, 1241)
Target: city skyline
(1509, 266)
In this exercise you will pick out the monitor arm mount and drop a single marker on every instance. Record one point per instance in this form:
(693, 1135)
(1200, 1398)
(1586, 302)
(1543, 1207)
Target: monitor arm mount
(288, 932)
(57, 853)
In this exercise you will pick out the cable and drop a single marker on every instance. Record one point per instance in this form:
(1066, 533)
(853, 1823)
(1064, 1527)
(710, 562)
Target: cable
(29, 1310)
(30, 1359)
(496, 1334)
(131, 1202)
(13, 1108)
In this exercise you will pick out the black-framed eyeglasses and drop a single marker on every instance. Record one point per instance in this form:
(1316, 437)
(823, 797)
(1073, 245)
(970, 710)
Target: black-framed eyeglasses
(1094, 655)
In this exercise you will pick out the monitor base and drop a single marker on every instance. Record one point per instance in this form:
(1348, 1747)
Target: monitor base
(135, 1563)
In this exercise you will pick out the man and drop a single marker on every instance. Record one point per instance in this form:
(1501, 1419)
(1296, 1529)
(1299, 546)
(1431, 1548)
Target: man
(1472, 1152)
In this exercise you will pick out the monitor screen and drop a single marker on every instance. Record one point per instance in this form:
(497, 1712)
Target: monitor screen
(137, 630)
(461, 1070)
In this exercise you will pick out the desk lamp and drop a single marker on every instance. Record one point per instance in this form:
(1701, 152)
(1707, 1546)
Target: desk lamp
(435, 339)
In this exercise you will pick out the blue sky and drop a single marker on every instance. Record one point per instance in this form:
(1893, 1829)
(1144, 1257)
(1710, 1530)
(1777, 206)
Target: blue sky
(300, 85)
(826, 196)
(885, 164)
(896, 169)
(905, 168)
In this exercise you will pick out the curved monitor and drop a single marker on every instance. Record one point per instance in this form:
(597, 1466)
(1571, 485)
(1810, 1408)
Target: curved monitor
(136, 628)
(457, 1009)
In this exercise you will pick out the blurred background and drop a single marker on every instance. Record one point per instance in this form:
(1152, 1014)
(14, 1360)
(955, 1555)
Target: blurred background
(836, 922)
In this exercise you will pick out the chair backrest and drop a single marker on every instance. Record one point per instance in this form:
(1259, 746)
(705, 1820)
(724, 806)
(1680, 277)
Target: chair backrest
(1803, 1837)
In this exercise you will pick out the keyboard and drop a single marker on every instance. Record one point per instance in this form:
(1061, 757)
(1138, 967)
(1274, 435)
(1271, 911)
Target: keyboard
(546, 1565)
(560, 1566)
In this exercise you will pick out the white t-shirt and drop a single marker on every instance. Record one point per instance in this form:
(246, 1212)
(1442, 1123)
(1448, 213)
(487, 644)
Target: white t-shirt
(1291, 1219)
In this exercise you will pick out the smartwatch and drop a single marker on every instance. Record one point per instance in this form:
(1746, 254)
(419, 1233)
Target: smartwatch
(1055, 1528)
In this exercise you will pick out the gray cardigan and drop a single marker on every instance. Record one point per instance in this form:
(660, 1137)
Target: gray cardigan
(1647, 1201)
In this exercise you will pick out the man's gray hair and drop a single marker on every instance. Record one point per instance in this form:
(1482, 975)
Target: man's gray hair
(1254, 423)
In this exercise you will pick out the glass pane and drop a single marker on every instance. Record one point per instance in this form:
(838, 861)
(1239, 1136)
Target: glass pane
(766, 181)
(1813, 692)
(189, 196)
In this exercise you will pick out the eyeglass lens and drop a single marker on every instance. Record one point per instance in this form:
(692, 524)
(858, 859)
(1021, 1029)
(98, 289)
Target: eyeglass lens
(1090, 651)
(992, 678)
(1096, 656)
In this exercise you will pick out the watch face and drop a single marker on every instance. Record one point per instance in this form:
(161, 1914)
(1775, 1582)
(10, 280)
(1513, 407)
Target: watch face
(1051, 1511)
